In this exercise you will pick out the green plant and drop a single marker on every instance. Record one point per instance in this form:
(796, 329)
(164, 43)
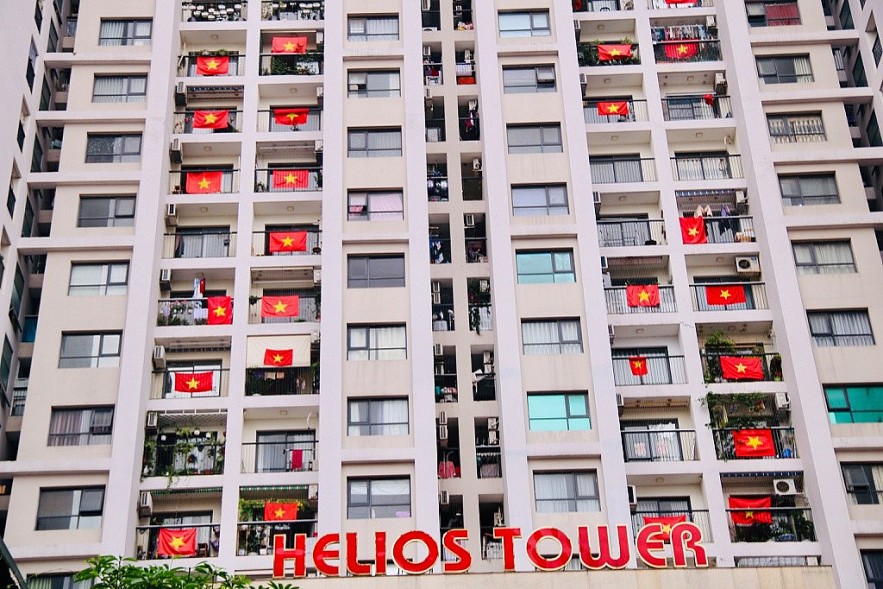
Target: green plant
(716, 345)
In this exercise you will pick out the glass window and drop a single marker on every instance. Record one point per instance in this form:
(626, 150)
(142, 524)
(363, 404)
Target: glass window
(377, 417)
(829, 257)
(799, 128)
(57, 581)
(855, 404)
(375, 205)
(544, 267)
(106, 211)
(378, 498)
(788, 69)
(119, 88)
(374, 143)
(772, 13)
(103, 149)
(109, 278)
(376, 342)
(565, 492)
(616, 168)
(534, 138)
(873, 561)
(555, 336)
(124, 32)
(555, 412)
(80, 427)
(539, 200)
(70, 509)
(840, 328)
(652, 440)
(525, 24)
(373, 28)
(375, 271)
(90, 350)
(809, 189)
(864, 483)
(529, 79)
(374, 83)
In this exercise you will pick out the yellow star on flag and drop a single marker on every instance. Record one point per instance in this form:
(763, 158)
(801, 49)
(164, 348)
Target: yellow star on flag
(749, 515)
(291, 116)
(212, 64)
(681, 49)
(287, 241)
(210, 118)
(289, 46)
(290, 178)
(613, 108)
(277, 359)
(692, 232)
(220, 312)
(666, 528)
(638, 364)
(204, 183)
(176, 542)
(754, 442)
(280, 307)
(644, 296)
(192, 383)
(615, 52)
(741, 367)
(725, 294)
(279, 513)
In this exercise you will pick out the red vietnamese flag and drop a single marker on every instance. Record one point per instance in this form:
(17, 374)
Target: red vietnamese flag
(638, 364)
(611, 52)
(291, 116)
(211, 119)
(203, 182)
(288, 241)
(220, 310)
(180, 542)
(212, 65)
(680, 1)
(730, 294)
(278, 357)
(193, 382)
(753, 443)
(681, 49)
(642, 295)
(280, 511)
(289, 45)
(747, 514)
(667, 521)
(280, 306)
(693, 230)
(291, 179)
(616, 107)
(741, 367)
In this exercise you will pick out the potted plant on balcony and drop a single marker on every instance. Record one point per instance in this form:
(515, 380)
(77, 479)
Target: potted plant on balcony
(716, 345)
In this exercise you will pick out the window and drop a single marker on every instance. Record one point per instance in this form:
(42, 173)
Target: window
(801, 128)
(539, 200)
(651, 440)
(530, 79)
(617, 168)
(375, 271)
(377, 417)
(376, 342)
(873, 561)
(124, 32)
(525, 24)
(5, 365)
(374, 143)
(809, 189)
(855, 404)
(544, 267)
(377, 498)
(772, 13)
(556, 412)
(864, 482)
(373, 28)
(110, 278)
(875, 139)
(57, 581)
(80, 427)
(840, 328)
(788, 69)
(374, 83)
(119, 88)
(534, 138)
(106, 211)
(103, 149)
(555, 336)
(565, 492)
(90, 350)
(832, 257)
(375, 205)
(70, 509)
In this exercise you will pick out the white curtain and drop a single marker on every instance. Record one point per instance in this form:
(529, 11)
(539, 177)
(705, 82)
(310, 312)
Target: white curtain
(551, 493)
(392, 414)
(802, 67)
(385, 206)
(388, 343)
(540, 337)
(382, 28)
(834, 258)
(66, 426)
(845, 328)
(112, 32)
(109, 89)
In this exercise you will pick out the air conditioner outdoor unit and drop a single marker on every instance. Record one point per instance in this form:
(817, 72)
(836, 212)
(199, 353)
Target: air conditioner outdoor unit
(427, 92)
(720, 83)
(711, 22)
(444, 498)
(611, 333)
(171, 215)
(426, 5)
(442, 432)
(320, 92)
(783, 403)
(145, 503)
(152, 420)
(476, 165)
(576, 26)
(317, 276)
(165, 279)
(633, 496)
(442, 418)
(436, 286)
(469, 220)
(493, 423)
(741, 197)
(484, 285)
(175, 151)
(159, 356)
(747, 265)
(493, 438)
(620, 404)
(319, 146)
(605, 267)
(498, 519)
(438, 349)
(180, 94)
(427, 51)
(436, 298)
(784, 487)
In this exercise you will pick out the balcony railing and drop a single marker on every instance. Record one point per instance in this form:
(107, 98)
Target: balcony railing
(220, 244)
(631, 233)
(186, 458)
(187, 65)
(488, 462)
(787, 524)
(771, 364)
(293, 456)
(622, 170)
(182, 312)
(472, 188)
(476, 250)
(293, 10)
(808, 129)
(183, 122)
(662, 4)
(147, 538)
(439, 250)
(257, 537)
(307, 177)
(654, 445)
(684, 50)
(469, 128)
(213, 11)
(298, 64)
(435, 130)
(163, 386)
(260, 244)
(755, 297)
(465, 73)
(437, 187)
(443, 317)
(446, 387)
(784, 444)
(637, 111)
(730, 229)
(483, 387)
(588, 55)
(695, 516)
(617, 301)
(696, 108)
(281, 381)
(481, 318)
(491, 548)
(204, 181)
(19, 397)
(660, 370)
(308, 309)
(600, 5)
(714, 167)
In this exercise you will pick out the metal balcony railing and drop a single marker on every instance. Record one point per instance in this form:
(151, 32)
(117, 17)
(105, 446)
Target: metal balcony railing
(491, 548)
(267, 122)
(786, 524)
(469, 128)
(483, 387)
(204, 181)
(481, 318)
(182, 312)
(684, 50)
(617, 301)
(712, 167)
(443, 317)
(292, 64)
(755, 297)
(260, 244)
(281, 381)
(622, 170)
(437, 187)
(435, 130)
(186, 458)
(293, 10)
(695, 516)
(771, 364)
(662, 4)
(631, 233)
(147, 539)
(306, 178)
(219, 244)
(187, 65)
(637, 111)
(784, 444)
(488, 463)
(291, 456)
(163, 386)
(587, 54)
(19, 397)
(472, 188)
(308, 309)
(696, 108)
(655, 445)
(214, 11)
(257, 537)
(183, 122)
(660, 370)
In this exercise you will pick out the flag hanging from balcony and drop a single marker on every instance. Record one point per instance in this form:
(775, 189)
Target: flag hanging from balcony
(288, 241)
(181, 542)
(290, 116)
(278, 357)
(642, 295)
(280, 306)
(616, 107)
(749, 510)
(741, 367)
(680, 1)
(730, 294)
(291, 179)
(693, 230)
(611, 52)
(193, 382)
(212, 65)
(220, 310)
(211, 119)
(681, 49)
(289, 45)
(203, 182)
(297, 459)
(667, 521)
(638, 365)
(753, 443)
(280, 511)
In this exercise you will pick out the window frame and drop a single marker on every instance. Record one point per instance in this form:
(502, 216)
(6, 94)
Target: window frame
(122, 150)
(814, 266)
(561, 343)
(370, 350)
(370, 427)
(830, 338)
(790, 127)
(367, 281)
(840, 403)
(99, 358)
(117, 200)
(552, 209)
(867, 556)
(355, 152)
(371, 504)
(130, 95)
(542, 145)
(365, 35)
(77, 517)
(367, 91)
(573, 497)
(130, 36)
(777, 62)
(95, 435)
(537, 86)
(569, 418)
(534, 29)
(108, 282)
(365, 212)
(798, 181)
(568, 275)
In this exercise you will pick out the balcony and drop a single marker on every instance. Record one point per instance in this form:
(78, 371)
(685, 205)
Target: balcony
(601, 5)
(687, 50)
(664, 5)
(147, 539)
(308, 307)
(463, 15)
(292, 10)
(617, 301)
(483, 387)
(207, 244)
(256, 537)
(481, 318)
(281, 381)
(622, 169)
(267, 121)
(707, 167)
(214, 11)
(204, 181)
(432, 71)
(179, 454)
(19, 397)
(297, 178)
(469, 127)
(472, 187)
(731, 229)
(631, 233)
(310, 63)
(173, 312)
(260, 244)
(465, 72)
(770, 366)
(587, 54)
(183, 122)
(187, 64)
(435, 130)
(437, 186)
(165, 381)
(754, 296)
(598, 111)
(288, 456)
(778, 524)
(784, 444)
(699, 517)
(431, 19)
(488, 462)
(660, 370)
(699, 107)
(659, 445)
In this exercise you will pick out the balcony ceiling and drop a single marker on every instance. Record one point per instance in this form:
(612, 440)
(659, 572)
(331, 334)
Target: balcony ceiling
(261, 275)
(192, 418)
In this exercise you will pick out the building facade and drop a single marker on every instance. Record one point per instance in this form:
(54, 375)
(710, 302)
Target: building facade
(399, 265)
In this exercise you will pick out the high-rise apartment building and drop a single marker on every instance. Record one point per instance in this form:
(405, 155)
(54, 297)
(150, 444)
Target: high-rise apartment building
(279, 267)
